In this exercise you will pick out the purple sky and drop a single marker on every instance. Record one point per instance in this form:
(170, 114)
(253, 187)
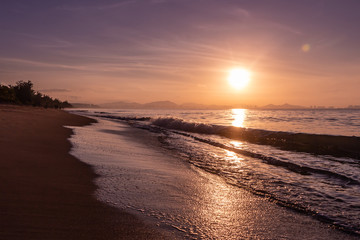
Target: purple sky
(182, 50)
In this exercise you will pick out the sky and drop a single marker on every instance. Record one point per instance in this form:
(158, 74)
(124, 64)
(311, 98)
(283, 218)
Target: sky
(298, 52)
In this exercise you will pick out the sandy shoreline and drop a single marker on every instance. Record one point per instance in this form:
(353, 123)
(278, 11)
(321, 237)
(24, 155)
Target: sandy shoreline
(139, 175)
(45, 192)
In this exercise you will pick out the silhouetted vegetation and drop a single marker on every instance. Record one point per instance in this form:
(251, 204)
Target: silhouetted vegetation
(22, 93)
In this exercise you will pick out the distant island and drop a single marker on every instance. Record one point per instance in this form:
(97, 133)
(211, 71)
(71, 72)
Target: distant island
(294, 107)
(195, 106)
(23, 94)
(151, 105)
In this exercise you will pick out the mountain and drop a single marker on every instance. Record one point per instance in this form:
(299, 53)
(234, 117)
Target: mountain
(284, 106)
(160, 105)
(197, 106)
(84, 105)
(122, 105)
(354, 107)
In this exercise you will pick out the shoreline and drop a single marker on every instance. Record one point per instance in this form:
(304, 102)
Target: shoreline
(193, 201)
(46, 193)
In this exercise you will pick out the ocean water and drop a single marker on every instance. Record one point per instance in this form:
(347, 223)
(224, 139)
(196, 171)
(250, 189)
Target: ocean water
(305, 160)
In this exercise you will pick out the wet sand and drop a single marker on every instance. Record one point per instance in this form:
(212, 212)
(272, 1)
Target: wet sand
(45, 192)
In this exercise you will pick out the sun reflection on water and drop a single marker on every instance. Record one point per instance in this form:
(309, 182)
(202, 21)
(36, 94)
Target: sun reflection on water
(239, 116)
(233, 157)
(237, 144)
(234, 160)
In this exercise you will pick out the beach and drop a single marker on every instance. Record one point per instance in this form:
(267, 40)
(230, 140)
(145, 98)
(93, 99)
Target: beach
(65, 176)
(45, 192)
(148, 174)
(173, 119)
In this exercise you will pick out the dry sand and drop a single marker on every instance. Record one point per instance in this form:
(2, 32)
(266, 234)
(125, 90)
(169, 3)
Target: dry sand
(45, 192)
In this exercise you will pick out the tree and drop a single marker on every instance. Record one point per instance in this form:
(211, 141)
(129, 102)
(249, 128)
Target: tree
(7, 94)
(24, 92)
(37, 99)
(66, 105)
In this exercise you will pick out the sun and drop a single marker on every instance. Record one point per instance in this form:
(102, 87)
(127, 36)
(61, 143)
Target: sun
(239, 78)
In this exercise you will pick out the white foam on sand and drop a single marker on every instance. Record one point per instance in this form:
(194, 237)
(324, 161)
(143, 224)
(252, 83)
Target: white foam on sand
(139, 176)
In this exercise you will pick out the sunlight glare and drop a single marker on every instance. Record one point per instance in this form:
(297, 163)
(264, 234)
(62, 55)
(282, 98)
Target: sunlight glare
(234, 159)
(238, 78)
(236, 144)
(239, 117)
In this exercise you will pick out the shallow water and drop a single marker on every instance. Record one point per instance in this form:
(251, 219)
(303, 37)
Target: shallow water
(137, 174)
(332, 122)
(321, 185)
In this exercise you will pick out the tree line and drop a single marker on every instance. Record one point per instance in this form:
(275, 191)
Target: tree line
(23, 94)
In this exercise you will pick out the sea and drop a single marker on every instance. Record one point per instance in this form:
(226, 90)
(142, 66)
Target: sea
(307, 161)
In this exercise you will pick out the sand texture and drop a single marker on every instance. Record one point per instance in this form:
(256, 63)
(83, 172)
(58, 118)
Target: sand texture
(45, 192)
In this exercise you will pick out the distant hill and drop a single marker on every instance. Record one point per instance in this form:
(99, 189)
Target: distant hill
(84, 105)
(159, 105)
(284, 106)
(354, 107)
(121, 105)
(196, 106)
(203, 106)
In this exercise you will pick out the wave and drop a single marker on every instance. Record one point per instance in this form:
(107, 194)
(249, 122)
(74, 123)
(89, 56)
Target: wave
(338, 146)
(317, 202)
(304, 170)
(179, 124)
(124, 118)
(308, 205)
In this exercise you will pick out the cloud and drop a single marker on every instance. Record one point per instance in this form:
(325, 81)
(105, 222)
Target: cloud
(53, 90)
(56, 43)
(73, 8)
(161, 1)
(241, 12)
(40, 64)
(116, 5)
(283, 27)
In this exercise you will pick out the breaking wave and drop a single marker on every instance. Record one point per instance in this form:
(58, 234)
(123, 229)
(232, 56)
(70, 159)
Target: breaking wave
(339, 146)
